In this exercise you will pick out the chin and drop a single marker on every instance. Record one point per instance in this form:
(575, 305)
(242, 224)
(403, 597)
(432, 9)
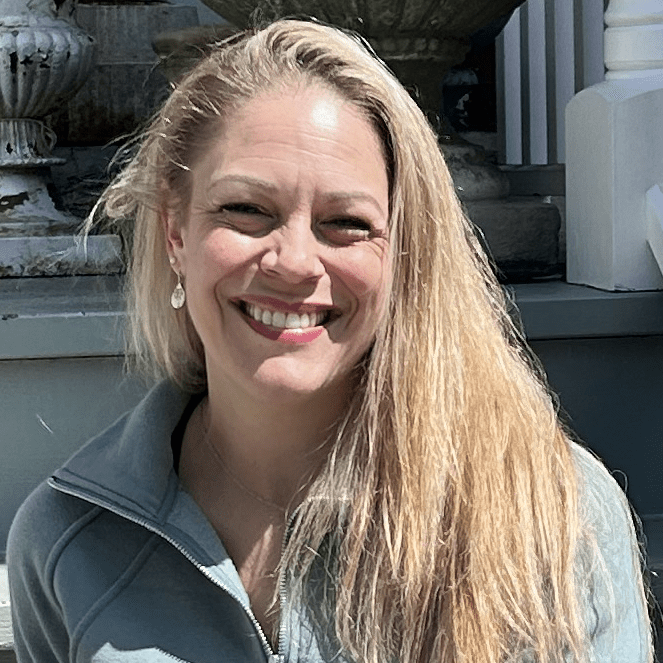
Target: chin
(284, 384)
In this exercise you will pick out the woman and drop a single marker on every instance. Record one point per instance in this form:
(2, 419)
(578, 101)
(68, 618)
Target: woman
(352, 457)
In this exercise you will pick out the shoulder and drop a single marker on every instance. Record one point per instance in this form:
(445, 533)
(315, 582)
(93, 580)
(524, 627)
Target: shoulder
(47, 520)
(610, 564)
(59, 543)
(603, 504)
(43, 527)
(605, 514)
(64, 557)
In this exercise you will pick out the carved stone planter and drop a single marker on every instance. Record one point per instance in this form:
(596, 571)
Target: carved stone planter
(420, 40)
(44, 59)
(410, 35)
(397, 29)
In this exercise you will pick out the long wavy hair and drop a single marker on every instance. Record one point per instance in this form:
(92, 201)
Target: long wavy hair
(450, 492)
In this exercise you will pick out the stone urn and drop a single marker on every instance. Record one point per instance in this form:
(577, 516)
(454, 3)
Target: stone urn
(410, 35)
(44, 59)
(420, 40)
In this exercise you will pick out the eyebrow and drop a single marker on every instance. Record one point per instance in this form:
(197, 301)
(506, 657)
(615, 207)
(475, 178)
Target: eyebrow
(334, 196)
(354, 196)
(244, 179)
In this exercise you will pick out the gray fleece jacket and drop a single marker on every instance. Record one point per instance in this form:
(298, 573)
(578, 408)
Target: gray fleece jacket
(111, 561)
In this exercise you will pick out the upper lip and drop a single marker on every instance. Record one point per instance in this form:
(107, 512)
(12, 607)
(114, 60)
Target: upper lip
(287, 307)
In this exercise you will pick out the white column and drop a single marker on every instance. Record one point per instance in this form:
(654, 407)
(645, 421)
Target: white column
(614, 150)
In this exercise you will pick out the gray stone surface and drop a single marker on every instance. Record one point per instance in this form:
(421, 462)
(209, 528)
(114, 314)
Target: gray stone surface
(85, 173)
(558, 310)
(125, 87)
(43, 318)
(474, 176)
(522, 235)
(60, 256)
(48, 409)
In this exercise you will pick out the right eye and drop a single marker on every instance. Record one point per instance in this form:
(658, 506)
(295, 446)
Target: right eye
(241, 208)
(245, 218)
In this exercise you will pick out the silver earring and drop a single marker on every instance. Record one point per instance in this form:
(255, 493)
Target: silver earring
(178, 296)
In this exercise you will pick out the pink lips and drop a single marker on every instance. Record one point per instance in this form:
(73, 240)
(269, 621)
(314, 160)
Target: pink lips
(292, 336)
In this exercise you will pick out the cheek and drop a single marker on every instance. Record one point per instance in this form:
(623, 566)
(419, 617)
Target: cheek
(366, 276)
(221, 255)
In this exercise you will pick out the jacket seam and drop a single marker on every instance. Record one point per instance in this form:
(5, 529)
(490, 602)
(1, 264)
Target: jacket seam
(125, 578)
(62, 543)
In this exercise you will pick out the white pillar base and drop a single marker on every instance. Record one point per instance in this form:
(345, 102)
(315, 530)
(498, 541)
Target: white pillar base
(614, 148)
(655, 223)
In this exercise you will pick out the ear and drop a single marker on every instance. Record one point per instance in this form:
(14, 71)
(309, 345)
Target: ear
(172, 229)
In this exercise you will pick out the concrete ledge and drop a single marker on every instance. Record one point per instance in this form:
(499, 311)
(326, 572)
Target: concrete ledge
(556, 310)
(52, 255)
(77, 316)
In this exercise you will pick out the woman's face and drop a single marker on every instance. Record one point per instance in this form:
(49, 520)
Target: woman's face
(284, 247)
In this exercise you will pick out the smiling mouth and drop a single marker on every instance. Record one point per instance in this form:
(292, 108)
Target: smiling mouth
(281, 320)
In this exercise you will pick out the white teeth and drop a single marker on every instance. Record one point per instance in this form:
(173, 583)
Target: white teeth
(283, 320)
(292, 321)
(278, 319)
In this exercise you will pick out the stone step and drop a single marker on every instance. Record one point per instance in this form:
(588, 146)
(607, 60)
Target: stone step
(6, 637)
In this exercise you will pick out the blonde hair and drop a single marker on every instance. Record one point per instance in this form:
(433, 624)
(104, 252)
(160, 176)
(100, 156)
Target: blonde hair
(450, 492)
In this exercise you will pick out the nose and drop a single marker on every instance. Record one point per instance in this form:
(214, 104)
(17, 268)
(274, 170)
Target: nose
(294, 255)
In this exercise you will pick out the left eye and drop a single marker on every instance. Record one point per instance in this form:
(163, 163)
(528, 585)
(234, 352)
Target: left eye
(349, 227)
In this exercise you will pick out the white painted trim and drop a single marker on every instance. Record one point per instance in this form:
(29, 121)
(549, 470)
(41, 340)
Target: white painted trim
(655, 223)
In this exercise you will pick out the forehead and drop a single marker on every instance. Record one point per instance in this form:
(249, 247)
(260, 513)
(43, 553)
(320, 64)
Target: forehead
(329, 109)
(317, 105)
(311, 125)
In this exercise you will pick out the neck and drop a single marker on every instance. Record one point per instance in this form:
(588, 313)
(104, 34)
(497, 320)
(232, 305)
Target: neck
(271, 448)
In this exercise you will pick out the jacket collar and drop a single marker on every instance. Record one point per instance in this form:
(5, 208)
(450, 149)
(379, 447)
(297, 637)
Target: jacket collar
(130, 464)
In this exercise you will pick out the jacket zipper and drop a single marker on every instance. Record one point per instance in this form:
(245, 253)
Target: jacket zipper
(271, 656)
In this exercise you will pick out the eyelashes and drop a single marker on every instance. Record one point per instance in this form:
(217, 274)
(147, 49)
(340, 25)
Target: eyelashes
(351, 227)
(241, 208)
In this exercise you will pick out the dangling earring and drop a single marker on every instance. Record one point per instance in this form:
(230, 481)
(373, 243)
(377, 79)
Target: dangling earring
(178, 297)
